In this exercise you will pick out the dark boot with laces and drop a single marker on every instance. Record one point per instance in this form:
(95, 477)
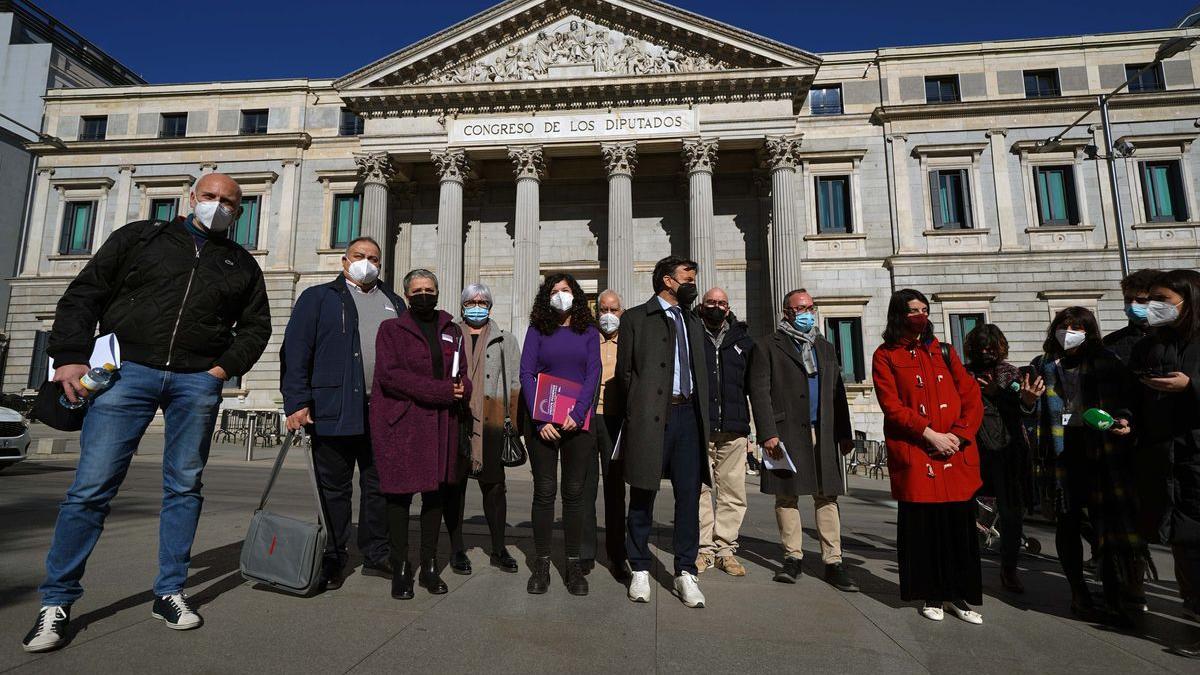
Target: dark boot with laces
(49, 632)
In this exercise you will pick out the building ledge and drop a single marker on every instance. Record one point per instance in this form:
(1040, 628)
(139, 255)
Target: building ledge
(285, 140)
(1165, 225)
(835, 236)
(917, 111)
(964, 232)
(1051, 229)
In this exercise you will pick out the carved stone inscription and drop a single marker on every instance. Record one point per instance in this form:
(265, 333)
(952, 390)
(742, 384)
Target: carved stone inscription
(549, 128)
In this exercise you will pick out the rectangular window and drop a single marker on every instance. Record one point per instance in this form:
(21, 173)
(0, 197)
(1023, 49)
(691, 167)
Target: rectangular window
(351, 123)
(833, 204)
(38, 367)
(253, 122)
(79, 218)
(846, 336)
(164, 209)
(826, 100)
(961, 325)
(941, 89)
(1150, 79)
(1162, 190)
(245, 230)
(172, 125)
(1041, 84)
(234, 382)
(1056, 195)
(949, 191)
(93, 128)
(347, 216)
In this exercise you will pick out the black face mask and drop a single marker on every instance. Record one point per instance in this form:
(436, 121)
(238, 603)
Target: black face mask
(686, 294)
(713, 315)
(423, 304)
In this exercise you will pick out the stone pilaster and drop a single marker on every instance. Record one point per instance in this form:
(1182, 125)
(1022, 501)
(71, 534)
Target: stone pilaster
(124, 190)
(1006, 219)
(37, 222)
(452, 167)
(620, 160)
(902, 188)
(699, 158)
(283, 249)
(529, 166)
(782, 154)
(376, 170)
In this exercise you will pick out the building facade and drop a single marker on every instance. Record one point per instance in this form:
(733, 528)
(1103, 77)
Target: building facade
(597, 136)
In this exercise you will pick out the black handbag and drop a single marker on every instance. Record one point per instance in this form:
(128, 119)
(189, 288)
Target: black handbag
(513, 453)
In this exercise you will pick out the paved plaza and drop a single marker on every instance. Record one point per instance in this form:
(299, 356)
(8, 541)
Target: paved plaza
(488, 623)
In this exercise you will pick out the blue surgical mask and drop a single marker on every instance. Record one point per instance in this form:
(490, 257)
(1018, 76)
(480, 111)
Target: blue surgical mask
(476, 316)
(1137, 312)
(804, 322)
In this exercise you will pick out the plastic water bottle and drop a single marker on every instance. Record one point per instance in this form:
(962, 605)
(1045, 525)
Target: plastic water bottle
(95, 380)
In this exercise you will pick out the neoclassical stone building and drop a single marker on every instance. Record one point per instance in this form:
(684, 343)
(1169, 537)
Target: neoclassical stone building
(596, 136)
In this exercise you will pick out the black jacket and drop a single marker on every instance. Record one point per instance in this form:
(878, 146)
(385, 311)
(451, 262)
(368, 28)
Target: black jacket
(1121, 342)
(728, 410)
(176, 309)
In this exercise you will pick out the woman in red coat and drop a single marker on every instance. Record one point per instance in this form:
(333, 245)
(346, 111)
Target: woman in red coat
(932, 410)
(416, 409)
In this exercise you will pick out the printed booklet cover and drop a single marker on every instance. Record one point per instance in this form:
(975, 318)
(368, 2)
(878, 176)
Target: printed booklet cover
(554, 398)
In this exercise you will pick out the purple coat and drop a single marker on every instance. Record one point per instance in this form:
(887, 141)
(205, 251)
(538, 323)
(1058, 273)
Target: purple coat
(414, 417)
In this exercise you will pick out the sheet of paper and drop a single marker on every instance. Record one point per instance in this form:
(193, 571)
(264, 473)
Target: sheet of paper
(784, 464)
(106, 349)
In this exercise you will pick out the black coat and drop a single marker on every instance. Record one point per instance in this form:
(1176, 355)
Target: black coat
(1121, 342)
(645, 370)
(176, 309)
(779, 394)
(728, 368)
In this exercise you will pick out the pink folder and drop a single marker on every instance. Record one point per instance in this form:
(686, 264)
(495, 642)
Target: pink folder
(554, 399)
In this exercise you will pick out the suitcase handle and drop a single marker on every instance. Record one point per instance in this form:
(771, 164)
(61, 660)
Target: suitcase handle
(308, 464)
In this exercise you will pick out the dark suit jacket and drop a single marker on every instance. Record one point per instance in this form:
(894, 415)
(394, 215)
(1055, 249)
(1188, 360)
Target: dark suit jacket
(645, 371)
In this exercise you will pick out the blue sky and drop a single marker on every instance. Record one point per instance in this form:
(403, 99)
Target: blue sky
(214, 40)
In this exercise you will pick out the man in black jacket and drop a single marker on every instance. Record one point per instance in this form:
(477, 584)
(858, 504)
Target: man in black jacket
(189, 309)
(727, 348)
(1136, 291)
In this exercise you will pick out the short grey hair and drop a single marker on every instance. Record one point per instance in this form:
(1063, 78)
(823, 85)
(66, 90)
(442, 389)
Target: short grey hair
(475, 289)
(419, 273)
(359, 240)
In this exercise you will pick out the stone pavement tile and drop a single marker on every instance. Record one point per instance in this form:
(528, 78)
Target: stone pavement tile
(690, 652)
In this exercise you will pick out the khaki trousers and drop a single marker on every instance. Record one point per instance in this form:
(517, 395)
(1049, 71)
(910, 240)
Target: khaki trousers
(719, 528)
(829, 527)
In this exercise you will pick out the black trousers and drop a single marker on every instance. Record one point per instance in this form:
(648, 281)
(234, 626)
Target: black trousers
(682, 457)
(398, 507)
(607, 427)
(495, 510)
(334, 458)
(576, 449)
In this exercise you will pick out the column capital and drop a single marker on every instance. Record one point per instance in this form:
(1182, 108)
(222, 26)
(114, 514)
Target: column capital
(289, 162)
(894, 138)
(620, 158)
(45, 172)
(782, 152)
(375, 167)
(208, 167)
(528, 161)
(995, 132)
(125, 168)
(700, 154)
(451, 164)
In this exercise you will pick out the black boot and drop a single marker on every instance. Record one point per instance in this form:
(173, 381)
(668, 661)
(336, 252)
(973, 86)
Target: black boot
(539, 576)
(460, 563)
(504, 561)
(402, 582)
(577, 583)
(790, 572)
(429, 577)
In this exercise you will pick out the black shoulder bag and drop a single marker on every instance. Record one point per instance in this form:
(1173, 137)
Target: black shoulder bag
(513, 453)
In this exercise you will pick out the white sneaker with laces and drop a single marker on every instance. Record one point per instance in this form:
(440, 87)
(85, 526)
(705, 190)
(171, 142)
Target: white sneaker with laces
(968, 615)
(176, 612)
(49, 631)
(687, 587)
(932, 613)
(639, 588)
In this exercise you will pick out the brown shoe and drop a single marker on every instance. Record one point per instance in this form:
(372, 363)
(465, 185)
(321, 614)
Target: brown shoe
(730, 565)
(703, 562)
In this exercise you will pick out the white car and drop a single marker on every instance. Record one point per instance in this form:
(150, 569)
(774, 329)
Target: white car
(14, 437)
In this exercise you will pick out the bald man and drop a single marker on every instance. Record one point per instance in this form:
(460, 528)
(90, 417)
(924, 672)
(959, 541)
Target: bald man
(189, 308)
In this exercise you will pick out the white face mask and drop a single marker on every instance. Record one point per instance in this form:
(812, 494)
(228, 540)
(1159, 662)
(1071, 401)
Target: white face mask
(1160, 313)
(1070, 339)
(363, 272)
(609, 323)
(562, 301)
(213, 216)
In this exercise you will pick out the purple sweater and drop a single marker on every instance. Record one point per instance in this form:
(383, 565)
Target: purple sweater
(566, 354)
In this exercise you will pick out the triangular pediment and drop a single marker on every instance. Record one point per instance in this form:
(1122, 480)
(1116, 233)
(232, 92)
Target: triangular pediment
(541, 40)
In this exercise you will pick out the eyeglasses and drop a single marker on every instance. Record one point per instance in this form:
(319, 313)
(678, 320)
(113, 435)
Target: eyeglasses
(475, 303)
(802, 309)
(716, 303)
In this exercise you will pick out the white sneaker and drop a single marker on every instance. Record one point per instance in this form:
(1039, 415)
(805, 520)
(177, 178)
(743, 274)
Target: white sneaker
(49, 631)
(687, 587)
(639, 588)
(175, 611)
(968, 615)
(932, 613)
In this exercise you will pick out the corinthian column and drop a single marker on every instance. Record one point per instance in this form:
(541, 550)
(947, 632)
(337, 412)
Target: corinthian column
(376, 170)
(529, 167)
(782, 156)
(452, 167)
(700, 156)
(620, 159)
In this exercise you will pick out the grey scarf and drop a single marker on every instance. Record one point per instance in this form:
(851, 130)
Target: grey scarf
(806, 342)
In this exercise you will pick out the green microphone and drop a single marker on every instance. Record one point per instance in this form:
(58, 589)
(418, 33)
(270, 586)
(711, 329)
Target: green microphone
(1098, 419)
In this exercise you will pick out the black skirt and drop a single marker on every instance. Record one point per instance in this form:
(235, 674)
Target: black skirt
(938, 551)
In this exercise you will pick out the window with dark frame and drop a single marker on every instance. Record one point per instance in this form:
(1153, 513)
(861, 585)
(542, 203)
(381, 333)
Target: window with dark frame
(1055, 187)
(950, 197)
(826, 100)
(172, 125)
(941, 89)
(347, 219)
(39, 367)
(234, 382)
(1150, 79)
(833, 204)
(245, 230)
(79, 219)
(93, 128)
(164, 209)
(253, 122)
(351, 123)
(1162, 191)
(961, 325)
(1041, 84)
(846, 335)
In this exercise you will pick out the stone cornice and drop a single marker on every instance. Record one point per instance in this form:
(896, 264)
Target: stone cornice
(1030, 106)
(168, 180)
(82, 183)
(1181, 140)
(949, 150)
(286, 140)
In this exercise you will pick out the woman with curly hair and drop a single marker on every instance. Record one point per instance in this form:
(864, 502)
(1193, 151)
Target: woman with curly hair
(564, 341)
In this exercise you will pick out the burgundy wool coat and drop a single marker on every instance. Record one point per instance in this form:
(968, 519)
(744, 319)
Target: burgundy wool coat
(414, 417)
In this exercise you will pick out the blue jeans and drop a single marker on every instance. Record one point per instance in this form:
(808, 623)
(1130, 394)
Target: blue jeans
(111, 432)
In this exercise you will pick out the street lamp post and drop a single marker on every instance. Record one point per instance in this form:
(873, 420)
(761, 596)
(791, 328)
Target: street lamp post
(1109, 143)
